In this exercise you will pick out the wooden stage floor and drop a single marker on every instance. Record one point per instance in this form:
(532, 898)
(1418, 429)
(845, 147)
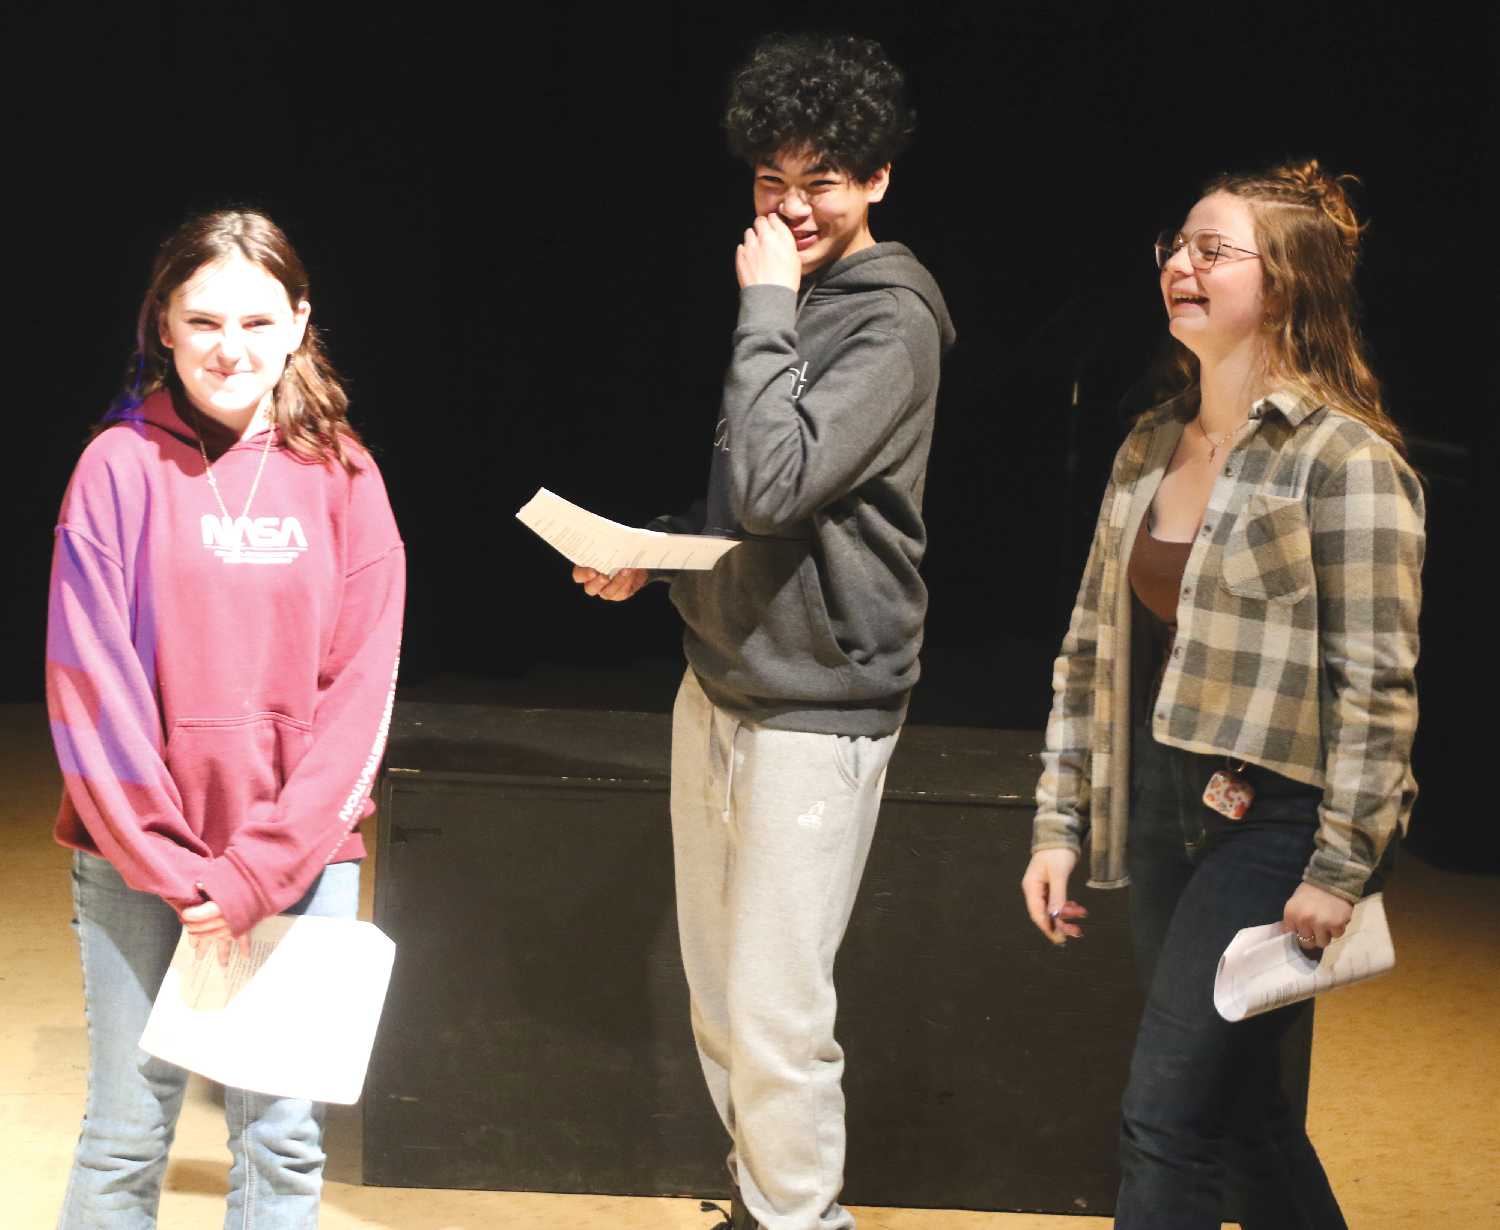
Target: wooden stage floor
(1405, 1099)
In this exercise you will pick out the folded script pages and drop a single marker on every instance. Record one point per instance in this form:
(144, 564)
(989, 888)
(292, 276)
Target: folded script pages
(595, 542)
(1265, 968)
(296, 1018)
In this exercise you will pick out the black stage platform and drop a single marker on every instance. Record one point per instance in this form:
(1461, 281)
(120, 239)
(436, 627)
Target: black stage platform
(536, 1036)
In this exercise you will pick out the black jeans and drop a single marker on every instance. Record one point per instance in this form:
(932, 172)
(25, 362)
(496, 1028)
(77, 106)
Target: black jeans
(1204, 1108)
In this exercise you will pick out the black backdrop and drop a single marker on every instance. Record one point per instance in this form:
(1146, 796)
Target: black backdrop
(520, 233)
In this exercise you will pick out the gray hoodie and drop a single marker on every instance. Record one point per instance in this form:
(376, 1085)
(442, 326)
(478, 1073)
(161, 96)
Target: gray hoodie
(820, 459)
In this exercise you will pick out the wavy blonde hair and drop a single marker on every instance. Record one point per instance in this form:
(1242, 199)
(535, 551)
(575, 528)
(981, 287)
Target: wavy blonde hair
(309, 403)
(1308, 237)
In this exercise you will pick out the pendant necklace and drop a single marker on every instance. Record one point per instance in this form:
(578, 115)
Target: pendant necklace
(234, 526)
(1215, 445)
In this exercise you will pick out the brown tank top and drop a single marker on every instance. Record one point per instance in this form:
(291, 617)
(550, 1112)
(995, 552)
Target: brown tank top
(1155, 571)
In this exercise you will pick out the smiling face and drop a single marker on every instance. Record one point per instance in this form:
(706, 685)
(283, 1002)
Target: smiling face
(827, 212)
(1216, 312)
(230, 328)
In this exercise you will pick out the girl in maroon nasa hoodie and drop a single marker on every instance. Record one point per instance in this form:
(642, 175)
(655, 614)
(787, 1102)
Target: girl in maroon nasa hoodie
(223, 632)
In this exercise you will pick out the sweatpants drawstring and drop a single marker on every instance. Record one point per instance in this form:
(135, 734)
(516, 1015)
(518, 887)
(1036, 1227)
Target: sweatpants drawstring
(729, 774)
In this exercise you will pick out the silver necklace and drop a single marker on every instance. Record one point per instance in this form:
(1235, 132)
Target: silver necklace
(234, 552)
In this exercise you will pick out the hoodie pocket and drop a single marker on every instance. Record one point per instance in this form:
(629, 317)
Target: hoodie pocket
(230, 771)
(826, 647)
(1268, 555)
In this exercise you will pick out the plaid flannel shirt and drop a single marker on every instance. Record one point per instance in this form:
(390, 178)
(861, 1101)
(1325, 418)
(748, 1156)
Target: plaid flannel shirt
(1296, 636)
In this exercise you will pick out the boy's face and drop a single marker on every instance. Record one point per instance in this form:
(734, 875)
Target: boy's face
(827, 212)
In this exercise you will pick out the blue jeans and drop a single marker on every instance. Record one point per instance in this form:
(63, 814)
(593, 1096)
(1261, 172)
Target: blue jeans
(1204, 1109)
(126, 940)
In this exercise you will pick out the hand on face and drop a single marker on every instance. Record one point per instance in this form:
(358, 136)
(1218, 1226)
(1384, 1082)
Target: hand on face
(767, 256)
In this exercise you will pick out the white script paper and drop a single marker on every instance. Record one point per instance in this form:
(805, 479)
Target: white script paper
(295, 1019)
(592, 541)
(1265, 968)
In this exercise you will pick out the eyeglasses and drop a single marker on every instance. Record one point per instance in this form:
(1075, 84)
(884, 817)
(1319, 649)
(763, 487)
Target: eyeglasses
(1204, 247)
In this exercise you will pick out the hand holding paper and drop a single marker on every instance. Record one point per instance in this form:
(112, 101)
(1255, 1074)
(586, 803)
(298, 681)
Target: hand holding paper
(612, 587)
(208, 930)
(1265, 968)
(606, 546)
(293, 1016)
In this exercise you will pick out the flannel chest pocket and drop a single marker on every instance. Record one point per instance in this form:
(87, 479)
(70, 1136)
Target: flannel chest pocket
(1268, 555)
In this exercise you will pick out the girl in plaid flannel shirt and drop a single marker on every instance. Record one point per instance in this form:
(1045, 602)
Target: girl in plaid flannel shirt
(1272, 496)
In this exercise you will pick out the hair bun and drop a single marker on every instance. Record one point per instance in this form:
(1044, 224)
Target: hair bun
(1301, 184)
(1319, 189)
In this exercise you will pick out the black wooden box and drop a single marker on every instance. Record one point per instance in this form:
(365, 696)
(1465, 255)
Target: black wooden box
(536, 1034)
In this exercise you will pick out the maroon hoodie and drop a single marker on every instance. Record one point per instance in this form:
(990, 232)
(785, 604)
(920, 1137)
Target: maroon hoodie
(220, 690)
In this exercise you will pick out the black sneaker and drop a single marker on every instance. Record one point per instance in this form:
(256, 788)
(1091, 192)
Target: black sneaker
(738, 1217)
(708, 1206)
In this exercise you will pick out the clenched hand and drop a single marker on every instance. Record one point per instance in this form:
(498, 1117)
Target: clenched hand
(767, 256)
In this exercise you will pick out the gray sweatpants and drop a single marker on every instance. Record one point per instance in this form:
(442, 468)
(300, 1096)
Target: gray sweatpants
(770, 829)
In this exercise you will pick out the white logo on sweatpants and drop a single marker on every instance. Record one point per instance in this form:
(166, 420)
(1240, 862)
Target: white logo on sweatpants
(813, 816)
(257, 540)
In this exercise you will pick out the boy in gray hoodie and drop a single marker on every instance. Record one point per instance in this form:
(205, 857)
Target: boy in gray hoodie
(802, 643)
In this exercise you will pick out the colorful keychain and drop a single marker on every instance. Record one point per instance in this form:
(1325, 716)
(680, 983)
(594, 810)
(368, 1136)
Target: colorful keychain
(1228, 793)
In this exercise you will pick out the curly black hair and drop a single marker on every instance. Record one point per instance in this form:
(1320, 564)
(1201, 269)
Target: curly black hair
(835, 94)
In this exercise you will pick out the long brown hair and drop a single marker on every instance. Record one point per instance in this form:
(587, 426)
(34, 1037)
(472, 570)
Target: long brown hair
(309, 402)
(1308, 237)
